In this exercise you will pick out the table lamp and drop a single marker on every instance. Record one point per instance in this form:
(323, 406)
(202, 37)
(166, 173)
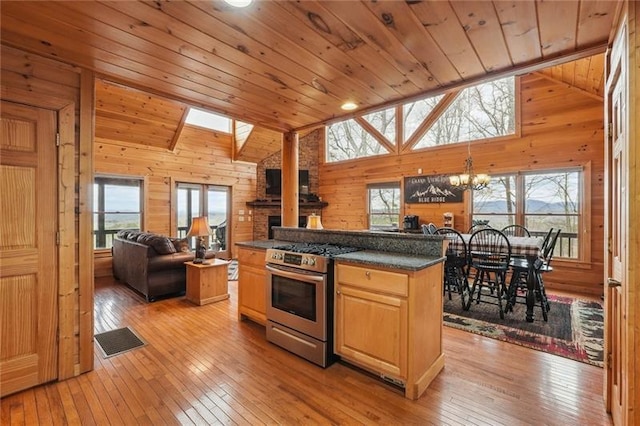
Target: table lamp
(199, 228)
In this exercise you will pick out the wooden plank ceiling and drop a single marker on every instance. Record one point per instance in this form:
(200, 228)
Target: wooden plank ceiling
(286, 65)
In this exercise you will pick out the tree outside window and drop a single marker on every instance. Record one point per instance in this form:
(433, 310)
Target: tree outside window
(384, 205)
(347, 140)
(479, 112)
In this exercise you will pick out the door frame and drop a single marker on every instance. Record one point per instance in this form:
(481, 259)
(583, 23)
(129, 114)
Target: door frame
(627, 26)
(75, 255)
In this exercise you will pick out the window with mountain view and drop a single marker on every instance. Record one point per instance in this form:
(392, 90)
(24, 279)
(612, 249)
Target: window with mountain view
(539, 201)
(117, 205)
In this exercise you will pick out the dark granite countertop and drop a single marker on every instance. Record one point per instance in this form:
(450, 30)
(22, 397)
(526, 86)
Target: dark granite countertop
(262, 244)
(386, 259)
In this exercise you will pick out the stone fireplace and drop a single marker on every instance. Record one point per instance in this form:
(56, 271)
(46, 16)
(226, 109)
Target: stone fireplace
(267, 212)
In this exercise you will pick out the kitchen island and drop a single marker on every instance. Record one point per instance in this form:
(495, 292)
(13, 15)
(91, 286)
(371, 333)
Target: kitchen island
(388, 301)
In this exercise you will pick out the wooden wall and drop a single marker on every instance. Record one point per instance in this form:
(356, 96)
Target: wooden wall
(200, 156)
(560, 127)
(32, 80)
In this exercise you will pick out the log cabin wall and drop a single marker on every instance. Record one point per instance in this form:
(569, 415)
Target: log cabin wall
(36, 81)
(200, 156)
(308, 160)
(560, 127)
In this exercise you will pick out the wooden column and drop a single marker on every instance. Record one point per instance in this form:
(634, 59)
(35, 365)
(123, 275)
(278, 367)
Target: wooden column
(290, 180)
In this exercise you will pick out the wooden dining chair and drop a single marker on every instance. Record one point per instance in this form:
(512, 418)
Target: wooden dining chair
(518, 287)
(455, 265)
(516, 231)
(489, 254)
(477, 227)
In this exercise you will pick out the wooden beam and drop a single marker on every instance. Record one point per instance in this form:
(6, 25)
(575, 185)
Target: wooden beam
(376, 134)
(430, 119)
(290, 148)
(176, 135)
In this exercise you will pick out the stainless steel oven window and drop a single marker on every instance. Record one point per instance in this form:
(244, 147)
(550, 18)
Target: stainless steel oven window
(293, 296)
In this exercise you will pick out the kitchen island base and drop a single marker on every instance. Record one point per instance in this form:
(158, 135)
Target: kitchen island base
(389, 322)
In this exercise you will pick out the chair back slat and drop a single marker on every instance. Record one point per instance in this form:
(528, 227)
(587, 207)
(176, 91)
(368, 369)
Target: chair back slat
(489, 248)
(516, 231)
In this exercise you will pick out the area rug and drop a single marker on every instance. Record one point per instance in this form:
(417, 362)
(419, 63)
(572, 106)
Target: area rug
(120, 340)
(575, 328)
(233, 271)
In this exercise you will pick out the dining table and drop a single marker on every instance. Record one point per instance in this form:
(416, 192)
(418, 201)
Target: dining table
(527, 247)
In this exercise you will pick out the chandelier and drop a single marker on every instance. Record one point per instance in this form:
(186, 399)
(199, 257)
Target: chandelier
(468, 179)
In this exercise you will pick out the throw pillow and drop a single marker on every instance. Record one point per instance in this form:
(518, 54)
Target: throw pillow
(181, 244)
(161, 244)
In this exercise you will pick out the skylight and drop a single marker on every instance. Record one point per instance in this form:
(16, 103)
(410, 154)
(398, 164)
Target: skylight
(208, 120)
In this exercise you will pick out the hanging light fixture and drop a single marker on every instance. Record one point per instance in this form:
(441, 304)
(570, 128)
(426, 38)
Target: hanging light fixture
(468, 179)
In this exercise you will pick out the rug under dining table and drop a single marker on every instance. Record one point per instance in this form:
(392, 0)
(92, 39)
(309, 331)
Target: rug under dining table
(575, 328)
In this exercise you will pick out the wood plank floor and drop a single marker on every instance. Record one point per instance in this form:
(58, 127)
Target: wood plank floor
(203, 366)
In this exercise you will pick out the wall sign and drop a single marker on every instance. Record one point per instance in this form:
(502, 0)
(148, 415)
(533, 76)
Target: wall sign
(430, 189)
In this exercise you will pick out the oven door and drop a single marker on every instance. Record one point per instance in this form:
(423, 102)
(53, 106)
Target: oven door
(297, 299)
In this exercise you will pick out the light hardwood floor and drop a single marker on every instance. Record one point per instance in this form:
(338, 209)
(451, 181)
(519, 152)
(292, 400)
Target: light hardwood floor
(203, 366)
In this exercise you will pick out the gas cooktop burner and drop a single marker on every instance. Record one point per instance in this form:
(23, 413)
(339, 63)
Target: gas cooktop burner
(317, 248)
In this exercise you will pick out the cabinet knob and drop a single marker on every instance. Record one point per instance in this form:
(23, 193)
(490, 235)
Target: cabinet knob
(368, 274)
(337, 291)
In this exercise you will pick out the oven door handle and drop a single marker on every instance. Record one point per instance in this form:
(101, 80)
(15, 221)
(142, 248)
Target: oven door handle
(294, 276)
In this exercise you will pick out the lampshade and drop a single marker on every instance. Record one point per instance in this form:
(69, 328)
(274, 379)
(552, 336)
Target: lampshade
(199, 227)
(313, 222)
(468, 179)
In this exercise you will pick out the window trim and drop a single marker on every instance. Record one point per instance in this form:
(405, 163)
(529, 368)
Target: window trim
(385, 183)
(144, 190)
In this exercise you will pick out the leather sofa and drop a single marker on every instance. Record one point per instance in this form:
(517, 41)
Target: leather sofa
(152, 264)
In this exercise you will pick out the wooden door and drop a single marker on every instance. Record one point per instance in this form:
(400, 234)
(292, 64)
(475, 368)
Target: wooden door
(28, 276)
(616, 338)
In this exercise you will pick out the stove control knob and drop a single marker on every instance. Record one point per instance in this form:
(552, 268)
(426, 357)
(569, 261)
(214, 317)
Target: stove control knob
(305, 260)
(312, 261)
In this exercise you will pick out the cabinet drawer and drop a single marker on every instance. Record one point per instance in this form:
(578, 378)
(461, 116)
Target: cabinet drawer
(251, 257)
(373, 279)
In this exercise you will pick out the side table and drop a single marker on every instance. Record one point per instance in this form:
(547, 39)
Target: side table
(207, 282)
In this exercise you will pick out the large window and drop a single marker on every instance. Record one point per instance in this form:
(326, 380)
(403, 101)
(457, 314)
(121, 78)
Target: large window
(479, 112)
(348, 139)
(539, 201)
(484, 111)
(384, 205)
(117, 205)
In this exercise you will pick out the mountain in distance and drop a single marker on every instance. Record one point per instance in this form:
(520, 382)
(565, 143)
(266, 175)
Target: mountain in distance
(533, 206)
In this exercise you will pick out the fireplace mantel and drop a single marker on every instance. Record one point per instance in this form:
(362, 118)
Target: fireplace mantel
(303, 204)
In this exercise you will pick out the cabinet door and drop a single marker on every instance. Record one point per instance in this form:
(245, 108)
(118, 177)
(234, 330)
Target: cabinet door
(371, 330)
(251, 293)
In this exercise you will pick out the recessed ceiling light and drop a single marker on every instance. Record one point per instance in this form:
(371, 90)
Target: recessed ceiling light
(349, 106)
(239, 3)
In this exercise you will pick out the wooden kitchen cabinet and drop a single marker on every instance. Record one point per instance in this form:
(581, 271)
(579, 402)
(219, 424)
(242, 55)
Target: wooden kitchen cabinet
(389, 322)
(251, 284)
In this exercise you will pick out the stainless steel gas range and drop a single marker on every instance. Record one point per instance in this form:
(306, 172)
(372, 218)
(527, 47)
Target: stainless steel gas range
(300, 299)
